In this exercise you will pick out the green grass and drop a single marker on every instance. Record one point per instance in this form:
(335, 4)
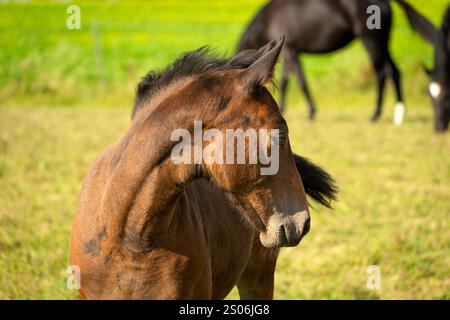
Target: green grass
(394, 201)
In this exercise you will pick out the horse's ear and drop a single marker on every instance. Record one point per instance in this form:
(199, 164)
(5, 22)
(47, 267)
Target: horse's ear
(261, 71)
(247, 57)
(420, 24)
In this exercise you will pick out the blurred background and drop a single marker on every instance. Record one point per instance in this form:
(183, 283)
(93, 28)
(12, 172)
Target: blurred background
(67, 94)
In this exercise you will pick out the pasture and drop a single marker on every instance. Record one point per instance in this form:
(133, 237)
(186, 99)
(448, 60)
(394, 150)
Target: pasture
(67, 94)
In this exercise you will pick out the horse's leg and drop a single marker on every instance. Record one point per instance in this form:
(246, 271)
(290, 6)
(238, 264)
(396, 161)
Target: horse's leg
(284, 84)
(396, 77)
(295, 62)
(257, 281)
(378, 56)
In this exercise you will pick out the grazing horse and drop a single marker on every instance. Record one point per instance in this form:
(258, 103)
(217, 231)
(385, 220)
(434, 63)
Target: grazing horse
(439, 87)
(323, 26)
(147, 227)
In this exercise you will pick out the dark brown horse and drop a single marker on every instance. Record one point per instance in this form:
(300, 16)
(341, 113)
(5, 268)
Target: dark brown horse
(149, 228)
(322, 26)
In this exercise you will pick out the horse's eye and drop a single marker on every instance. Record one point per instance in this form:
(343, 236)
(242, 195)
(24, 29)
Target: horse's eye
(280, 138)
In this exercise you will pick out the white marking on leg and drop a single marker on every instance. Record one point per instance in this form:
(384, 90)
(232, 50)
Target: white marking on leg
(435, 89)
(399, 114)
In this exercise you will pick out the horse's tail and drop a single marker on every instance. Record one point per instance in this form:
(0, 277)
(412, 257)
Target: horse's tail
(318, 184)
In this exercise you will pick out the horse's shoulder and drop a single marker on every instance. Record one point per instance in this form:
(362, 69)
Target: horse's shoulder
(99, 169)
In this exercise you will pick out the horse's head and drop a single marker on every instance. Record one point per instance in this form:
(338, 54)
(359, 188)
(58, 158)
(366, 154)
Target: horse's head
(439, 87)
(265, 182)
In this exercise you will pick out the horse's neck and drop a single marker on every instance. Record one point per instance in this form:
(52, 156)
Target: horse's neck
(144, 183)
(153, 204)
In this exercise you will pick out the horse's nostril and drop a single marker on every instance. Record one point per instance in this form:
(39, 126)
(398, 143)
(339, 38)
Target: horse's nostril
(306, 227)
(283, 234)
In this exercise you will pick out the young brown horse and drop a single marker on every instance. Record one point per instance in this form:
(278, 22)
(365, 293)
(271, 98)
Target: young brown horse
(147, 228)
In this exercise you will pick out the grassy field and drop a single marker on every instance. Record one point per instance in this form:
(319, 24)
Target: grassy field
(65, 95)
(44, 63)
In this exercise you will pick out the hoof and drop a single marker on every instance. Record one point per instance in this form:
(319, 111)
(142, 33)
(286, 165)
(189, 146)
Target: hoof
(375, 117)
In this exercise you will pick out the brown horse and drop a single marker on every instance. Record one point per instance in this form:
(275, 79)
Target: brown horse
(147, 228)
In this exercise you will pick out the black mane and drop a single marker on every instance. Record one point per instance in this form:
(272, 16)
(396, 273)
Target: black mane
(196, 62)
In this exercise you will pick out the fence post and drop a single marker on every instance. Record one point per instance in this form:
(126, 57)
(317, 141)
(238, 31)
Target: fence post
(98, 52)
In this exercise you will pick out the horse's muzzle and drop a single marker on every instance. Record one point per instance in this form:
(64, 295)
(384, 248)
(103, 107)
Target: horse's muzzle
(286, 231)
